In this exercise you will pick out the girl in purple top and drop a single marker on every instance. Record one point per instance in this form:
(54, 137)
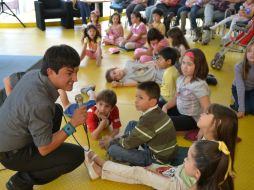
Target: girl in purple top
(156, 42)
(115, 31)
(243, 84)
(137, 35)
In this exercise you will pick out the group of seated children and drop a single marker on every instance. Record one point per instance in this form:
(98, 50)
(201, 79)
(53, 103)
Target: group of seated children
(172, 95)
(144, 146)
(136, 38)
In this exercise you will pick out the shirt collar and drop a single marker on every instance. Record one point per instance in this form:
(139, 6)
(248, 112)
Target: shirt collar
(150, 109)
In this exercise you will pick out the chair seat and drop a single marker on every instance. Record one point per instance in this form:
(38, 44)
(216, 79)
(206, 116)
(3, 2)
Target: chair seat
(54, 13)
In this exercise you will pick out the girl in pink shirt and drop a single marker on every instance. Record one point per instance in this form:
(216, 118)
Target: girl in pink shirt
(91, 44)
(156, 42)
(137, 35)
(94, 19)
(115, 31)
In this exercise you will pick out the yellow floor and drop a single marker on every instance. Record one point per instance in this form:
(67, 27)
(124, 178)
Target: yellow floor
(31, 41)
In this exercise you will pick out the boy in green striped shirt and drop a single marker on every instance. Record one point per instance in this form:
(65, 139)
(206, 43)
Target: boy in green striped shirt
(151, 139)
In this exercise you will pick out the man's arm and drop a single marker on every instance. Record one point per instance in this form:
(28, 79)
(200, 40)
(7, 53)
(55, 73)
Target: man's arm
(60, 136)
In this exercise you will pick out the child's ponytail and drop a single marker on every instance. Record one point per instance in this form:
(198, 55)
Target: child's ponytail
(214, 166)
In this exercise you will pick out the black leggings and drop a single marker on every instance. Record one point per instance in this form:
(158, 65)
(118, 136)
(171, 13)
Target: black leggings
(181, 122)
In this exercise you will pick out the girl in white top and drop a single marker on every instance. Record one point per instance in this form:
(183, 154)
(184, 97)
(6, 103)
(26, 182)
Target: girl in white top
(211, 158)
(192, 96)
(177, 40)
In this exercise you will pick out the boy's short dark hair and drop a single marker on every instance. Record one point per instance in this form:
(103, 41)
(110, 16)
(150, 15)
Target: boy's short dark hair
(57, 57)
(151, 88)
(169, 53)
(158, 12)
(107, 96)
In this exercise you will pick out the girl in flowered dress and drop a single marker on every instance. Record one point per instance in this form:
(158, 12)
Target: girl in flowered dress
(115, 32)
(137, 35)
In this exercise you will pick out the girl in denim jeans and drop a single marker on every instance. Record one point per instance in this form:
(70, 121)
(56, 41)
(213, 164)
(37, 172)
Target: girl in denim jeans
(243, 84)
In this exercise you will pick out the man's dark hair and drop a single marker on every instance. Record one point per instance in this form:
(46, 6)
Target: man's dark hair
(107, 96)
(57, 57)
(169, 53)
(151, 88)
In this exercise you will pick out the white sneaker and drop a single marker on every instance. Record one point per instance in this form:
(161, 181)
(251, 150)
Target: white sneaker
(89, 165)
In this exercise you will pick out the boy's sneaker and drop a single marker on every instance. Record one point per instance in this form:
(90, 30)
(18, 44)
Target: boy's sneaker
(87, 88)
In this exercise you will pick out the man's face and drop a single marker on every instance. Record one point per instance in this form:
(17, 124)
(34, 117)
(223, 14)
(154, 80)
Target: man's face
(64, 79)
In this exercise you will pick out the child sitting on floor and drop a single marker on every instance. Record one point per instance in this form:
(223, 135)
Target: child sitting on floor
(137, 35)
(168, 57)
(192, 96)
(91, 44)
(157, 16)
(104, 114)
(154, 131)
(243, 84)
(156, 42)
(94, 19)
(207, 166)
(177, 40)
(115, 32)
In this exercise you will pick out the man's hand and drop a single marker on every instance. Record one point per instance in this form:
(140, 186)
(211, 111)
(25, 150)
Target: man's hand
(79, 117)
(105, 142)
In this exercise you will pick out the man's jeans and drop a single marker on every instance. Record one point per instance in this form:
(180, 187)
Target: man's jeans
(134, 156)
(211, 15)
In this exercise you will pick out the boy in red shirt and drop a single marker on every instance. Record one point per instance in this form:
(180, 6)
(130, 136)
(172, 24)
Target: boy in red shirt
(103, 114)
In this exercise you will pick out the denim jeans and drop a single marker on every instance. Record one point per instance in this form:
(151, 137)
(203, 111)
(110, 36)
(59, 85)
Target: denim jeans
(149, 13)
(249, 100)
(84, 10)
(193, 15)
(134, 156)
(180, 10)
(211, 15)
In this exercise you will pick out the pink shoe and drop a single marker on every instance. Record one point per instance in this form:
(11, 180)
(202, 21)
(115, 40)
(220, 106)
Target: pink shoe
(114, 50)
(89, 165)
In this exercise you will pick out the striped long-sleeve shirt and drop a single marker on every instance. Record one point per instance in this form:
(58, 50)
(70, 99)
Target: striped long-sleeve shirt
(156, 129)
